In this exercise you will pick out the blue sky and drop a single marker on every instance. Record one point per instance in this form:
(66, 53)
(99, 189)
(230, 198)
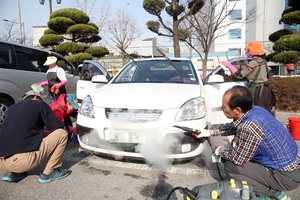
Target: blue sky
(35, 14)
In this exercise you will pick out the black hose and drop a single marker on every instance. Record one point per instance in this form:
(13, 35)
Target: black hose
(190, 193)
(218, 167)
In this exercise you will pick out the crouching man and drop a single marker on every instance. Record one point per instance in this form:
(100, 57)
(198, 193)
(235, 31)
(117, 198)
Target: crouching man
(263, 152)
(22, 146)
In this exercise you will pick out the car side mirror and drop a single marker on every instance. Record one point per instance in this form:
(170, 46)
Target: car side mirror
(99, 79)
(215, 78)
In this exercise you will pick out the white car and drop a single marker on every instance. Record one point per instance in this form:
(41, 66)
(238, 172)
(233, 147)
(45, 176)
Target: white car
(134, 114)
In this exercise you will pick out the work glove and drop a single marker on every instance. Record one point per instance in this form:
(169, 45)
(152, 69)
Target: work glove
(229, 66)
(43, 83)
(73, 130)
(218, 150)
(204, 133)
(54, 90)
(216, 158)
(58, 85)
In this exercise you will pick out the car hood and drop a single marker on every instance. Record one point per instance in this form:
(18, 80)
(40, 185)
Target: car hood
(144, 96)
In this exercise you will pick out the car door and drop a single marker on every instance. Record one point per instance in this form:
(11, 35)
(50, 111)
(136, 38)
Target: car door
(85, 85)
(215, 85)
(10, 76)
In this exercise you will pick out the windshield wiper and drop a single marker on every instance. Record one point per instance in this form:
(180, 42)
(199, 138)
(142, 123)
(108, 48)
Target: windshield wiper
(143, 71)
(170, 61)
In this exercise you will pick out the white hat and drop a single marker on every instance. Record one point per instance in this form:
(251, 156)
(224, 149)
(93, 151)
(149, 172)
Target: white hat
(32, 93)
(50, 60)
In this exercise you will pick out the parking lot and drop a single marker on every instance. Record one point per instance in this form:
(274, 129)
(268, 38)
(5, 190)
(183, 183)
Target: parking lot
(95, 177)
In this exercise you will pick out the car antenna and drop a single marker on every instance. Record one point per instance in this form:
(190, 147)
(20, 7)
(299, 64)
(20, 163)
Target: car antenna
(170, 61)
(145, 74)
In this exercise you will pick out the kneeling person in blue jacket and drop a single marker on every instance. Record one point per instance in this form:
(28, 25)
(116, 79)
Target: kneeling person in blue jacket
(263, 152)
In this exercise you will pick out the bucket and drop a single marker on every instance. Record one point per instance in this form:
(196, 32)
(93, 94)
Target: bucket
(294, 127)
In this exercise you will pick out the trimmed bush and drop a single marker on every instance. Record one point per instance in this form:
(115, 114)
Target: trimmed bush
(287, 93)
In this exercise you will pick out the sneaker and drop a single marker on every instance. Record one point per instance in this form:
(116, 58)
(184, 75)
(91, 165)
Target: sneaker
(55, 174)
(14, 177)
(283, 196)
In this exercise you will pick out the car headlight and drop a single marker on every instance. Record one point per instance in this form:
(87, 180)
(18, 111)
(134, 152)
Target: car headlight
(191, 110)
(87, 108)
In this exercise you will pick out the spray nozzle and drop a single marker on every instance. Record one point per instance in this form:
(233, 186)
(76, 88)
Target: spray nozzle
(191, 130)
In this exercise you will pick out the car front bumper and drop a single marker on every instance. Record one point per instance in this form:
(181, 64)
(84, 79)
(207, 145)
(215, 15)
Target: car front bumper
(175, 146)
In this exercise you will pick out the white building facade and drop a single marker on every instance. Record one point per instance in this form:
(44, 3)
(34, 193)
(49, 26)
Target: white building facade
(259, 26)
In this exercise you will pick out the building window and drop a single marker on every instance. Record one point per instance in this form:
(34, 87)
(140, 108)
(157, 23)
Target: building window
(234, 34)
(235, 15)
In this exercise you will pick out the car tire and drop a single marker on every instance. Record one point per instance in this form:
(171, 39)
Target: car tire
(4, 104)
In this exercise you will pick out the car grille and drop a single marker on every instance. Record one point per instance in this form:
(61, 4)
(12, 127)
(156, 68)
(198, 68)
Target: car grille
(136, 115)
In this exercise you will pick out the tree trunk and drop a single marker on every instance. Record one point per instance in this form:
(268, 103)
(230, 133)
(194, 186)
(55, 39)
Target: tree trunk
(175, 30)
(204, 65)
(176, 40)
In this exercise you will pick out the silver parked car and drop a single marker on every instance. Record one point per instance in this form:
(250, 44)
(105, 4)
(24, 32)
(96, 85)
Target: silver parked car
(21, 66)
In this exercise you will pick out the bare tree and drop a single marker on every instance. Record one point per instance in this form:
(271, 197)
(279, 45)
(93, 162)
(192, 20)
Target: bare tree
(209, 24)
(178, 11)
(10, 32)
(98, 14)
(122, 31)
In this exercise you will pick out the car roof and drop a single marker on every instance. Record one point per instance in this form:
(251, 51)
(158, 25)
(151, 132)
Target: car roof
(31, 47)
(160, 58)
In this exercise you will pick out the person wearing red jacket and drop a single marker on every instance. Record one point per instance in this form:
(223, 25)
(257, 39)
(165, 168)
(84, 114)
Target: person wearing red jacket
(62, 110)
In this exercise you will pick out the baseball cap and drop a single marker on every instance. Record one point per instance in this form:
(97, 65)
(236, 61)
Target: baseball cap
(72, 99)
(50, 60)
(255, 48)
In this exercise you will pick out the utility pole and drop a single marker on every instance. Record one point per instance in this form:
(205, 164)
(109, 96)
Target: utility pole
(20, 23)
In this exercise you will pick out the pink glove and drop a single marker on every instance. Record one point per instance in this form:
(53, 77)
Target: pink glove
(73, 130)
(229, 66)
(43, 83)
(58, 85)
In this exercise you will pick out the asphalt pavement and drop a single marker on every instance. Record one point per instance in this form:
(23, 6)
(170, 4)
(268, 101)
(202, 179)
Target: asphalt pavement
(95, 178)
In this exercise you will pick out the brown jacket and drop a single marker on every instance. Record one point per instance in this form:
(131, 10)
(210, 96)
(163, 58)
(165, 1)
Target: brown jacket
(252, 68)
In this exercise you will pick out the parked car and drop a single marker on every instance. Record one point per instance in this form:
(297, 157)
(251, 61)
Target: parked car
(139, 107)
(21, 66)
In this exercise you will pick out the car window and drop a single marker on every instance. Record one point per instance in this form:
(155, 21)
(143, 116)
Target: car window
(7, 58)
(65, 65)
(30, 59)
(159, 71)
(89, 70)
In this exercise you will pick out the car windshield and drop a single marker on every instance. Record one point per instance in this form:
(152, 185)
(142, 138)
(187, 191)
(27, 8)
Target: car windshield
(158, 71)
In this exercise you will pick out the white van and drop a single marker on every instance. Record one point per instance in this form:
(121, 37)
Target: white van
(21, 66)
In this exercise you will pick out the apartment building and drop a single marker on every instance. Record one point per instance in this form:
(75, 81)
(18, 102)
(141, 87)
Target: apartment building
(258, 26)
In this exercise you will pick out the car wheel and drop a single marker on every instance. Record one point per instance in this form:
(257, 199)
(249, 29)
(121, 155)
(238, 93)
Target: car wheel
(4, 104)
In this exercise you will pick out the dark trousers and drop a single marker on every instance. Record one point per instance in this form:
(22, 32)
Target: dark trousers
(265, 182)
(263, 97)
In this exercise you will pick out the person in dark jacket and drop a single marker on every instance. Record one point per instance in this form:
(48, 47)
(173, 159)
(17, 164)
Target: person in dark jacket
(22, 145)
